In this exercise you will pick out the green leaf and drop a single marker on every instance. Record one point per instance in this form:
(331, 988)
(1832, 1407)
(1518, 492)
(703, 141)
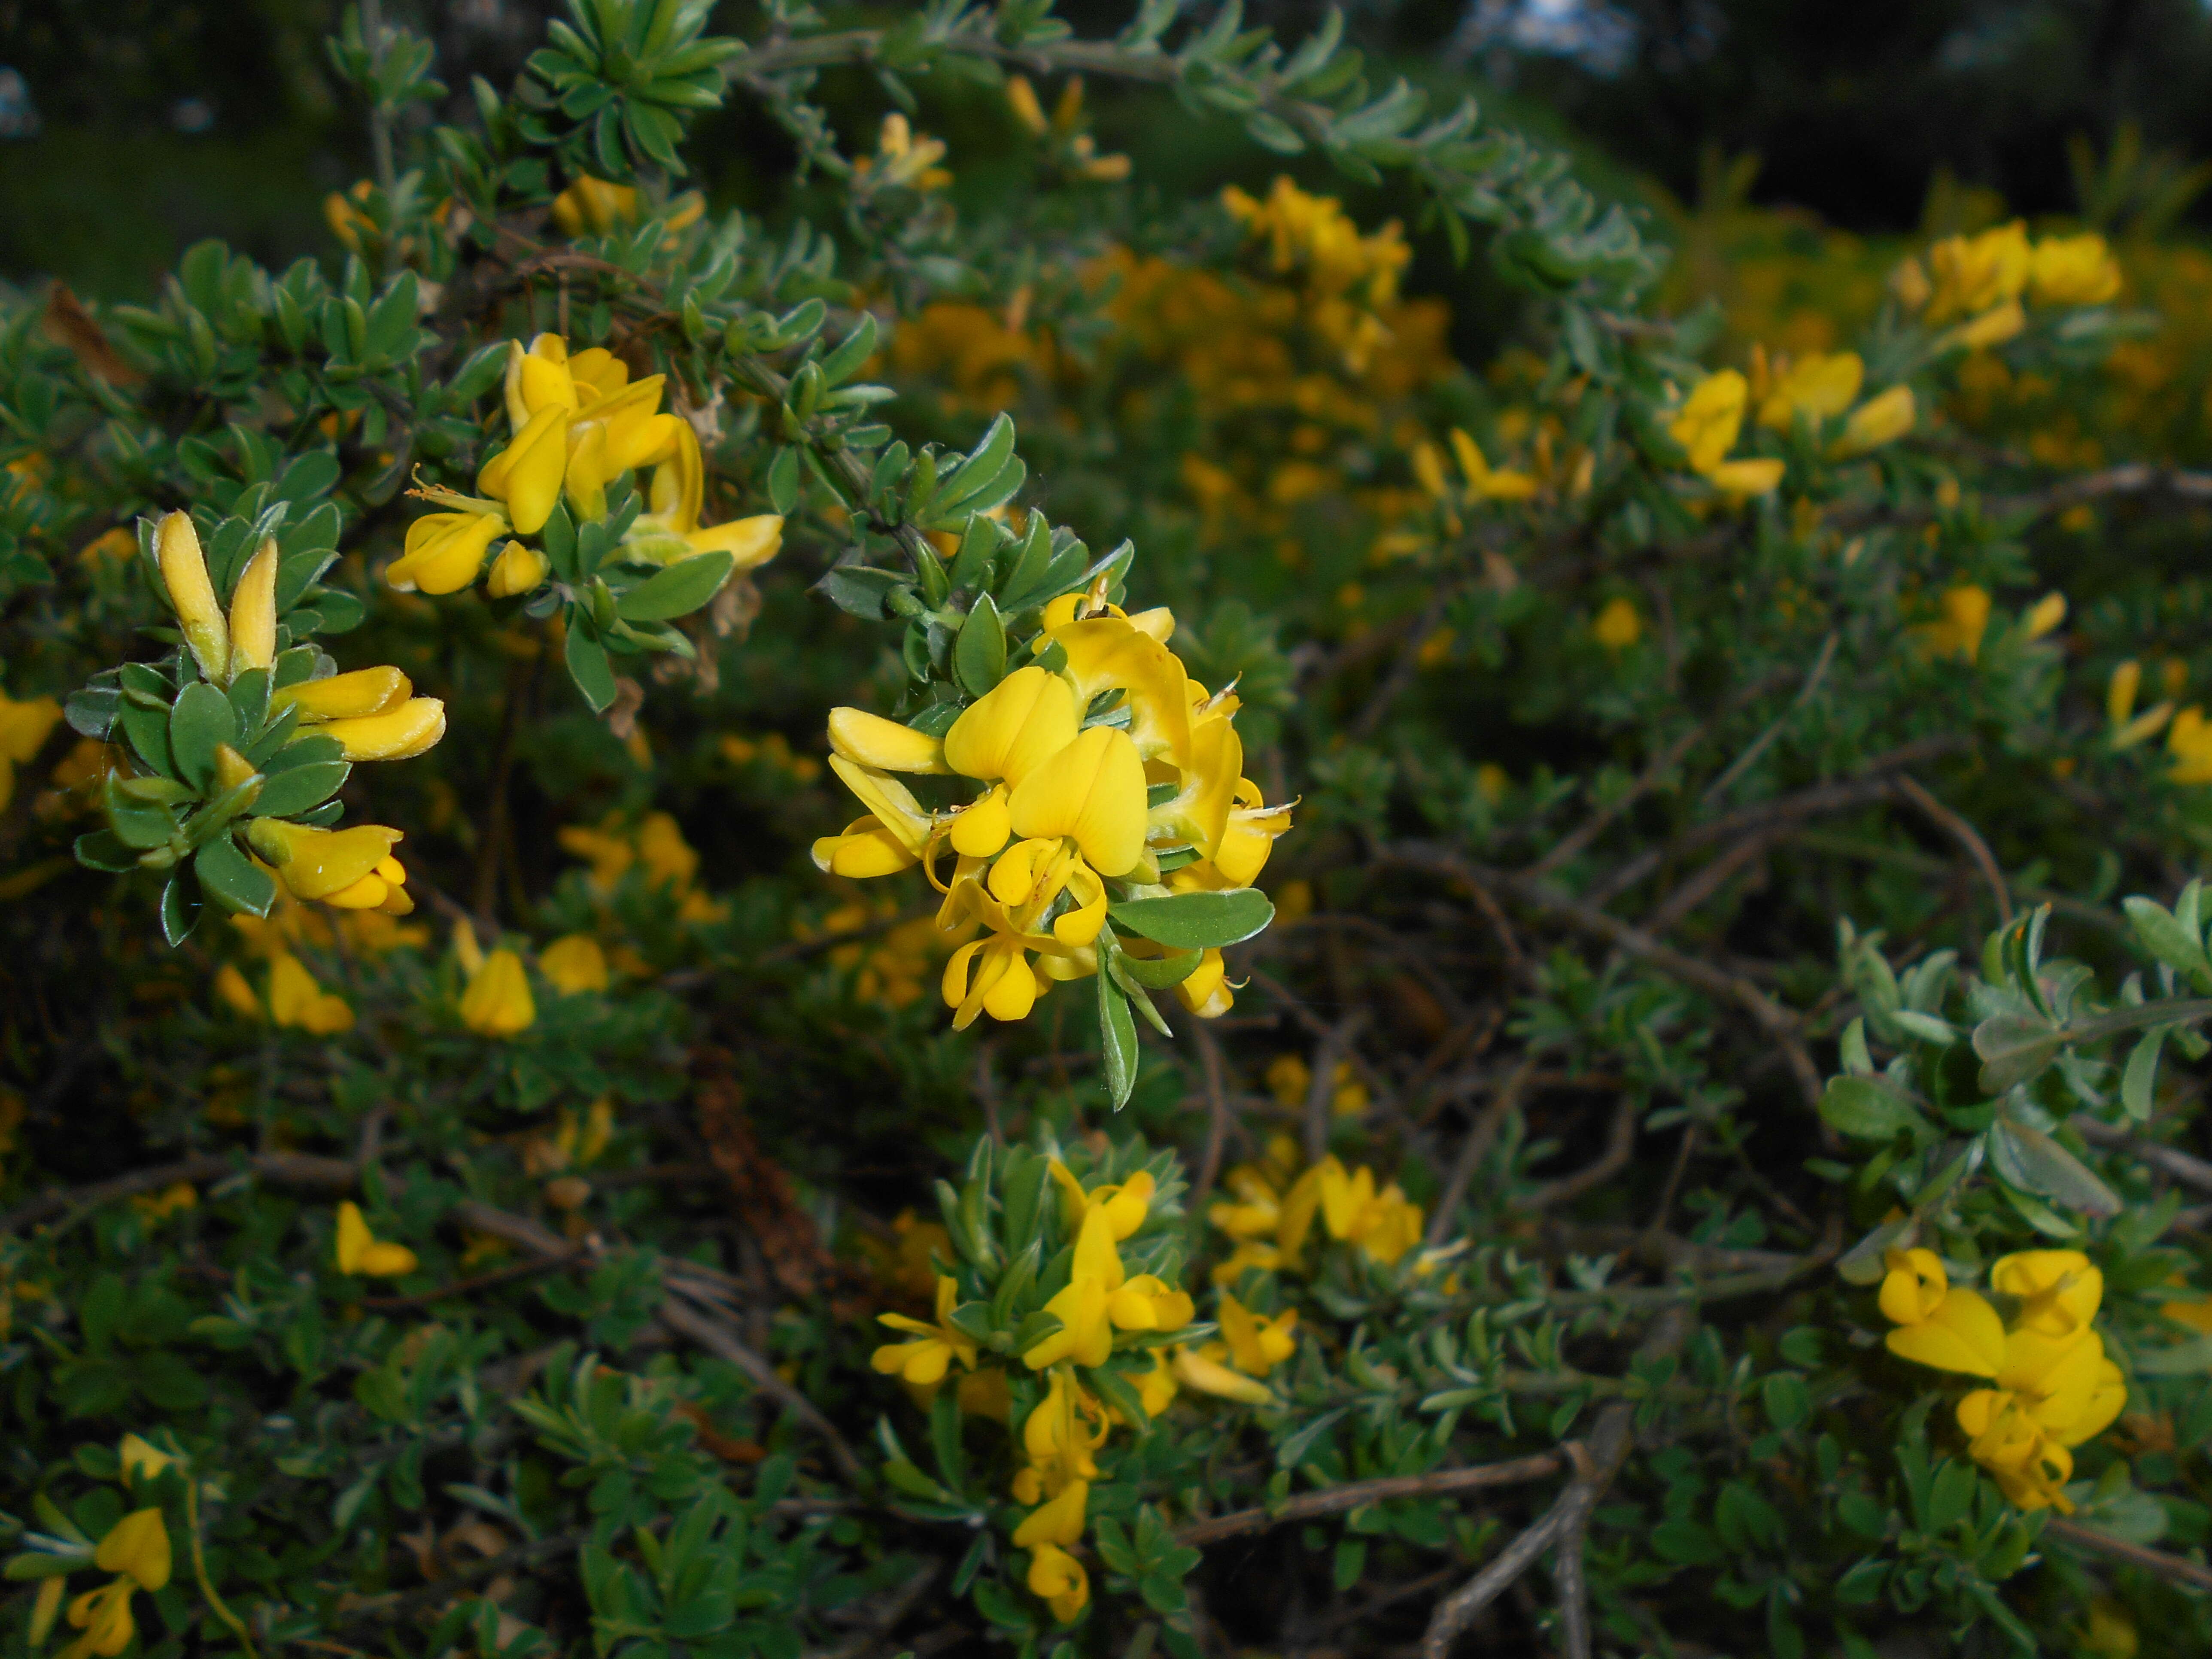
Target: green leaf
(201, 720)
(587, 666)
(1160, 973)
(979, 656)
(299, 788)
(136, 823)
(181, 906)
(2029, 1158)
(1196, 921)
(2013, 1049)
(860, 591)
(1117, 1041)
(1869, 1109)
(103, 849)
(678, 591)
(2162, 934)
(783, 481)
(2139, 1082)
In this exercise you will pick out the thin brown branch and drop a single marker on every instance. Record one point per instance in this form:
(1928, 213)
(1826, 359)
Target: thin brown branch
(1338, 1500)
(2169, 1568)
(1472, 1150)
(2184, 1167)
(1321, 1087)
(1602, 819)
(1707, 880)
(1619, 1147)
(1217, 1112)
(1967, 837)
(719, 1339)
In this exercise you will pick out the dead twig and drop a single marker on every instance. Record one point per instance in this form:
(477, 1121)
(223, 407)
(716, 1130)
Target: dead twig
(2169, 1568)
(1217, 1114)
(1481, 1136)
(1339, 1500)
(1967, 837)
(1321, 1087)
(1620, 1145)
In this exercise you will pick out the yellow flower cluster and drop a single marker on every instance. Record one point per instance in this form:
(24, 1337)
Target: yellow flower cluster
(894, 967)
(1078, 151)
(1348, 277)
(1977, 283)
(576, 424)
(654, 846)
(1065, 806)
(1271, 1213)
(2054, 1388)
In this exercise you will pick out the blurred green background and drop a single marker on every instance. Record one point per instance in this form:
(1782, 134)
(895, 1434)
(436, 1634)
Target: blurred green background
(134, 128)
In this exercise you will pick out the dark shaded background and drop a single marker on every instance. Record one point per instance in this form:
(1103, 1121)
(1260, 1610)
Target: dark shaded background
(150, 124)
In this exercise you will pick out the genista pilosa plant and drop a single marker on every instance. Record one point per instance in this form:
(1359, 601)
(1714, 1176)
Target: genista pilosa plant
(1654, 1135)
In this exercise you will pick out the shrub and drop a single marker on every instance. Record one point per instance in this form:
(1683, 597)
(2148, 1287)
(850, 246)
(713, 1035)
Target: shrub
(1473, 966)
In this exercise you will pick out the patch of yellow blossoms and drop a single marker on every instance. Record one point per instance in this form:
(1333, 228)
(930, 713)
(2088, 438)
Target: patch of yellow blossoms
(2051, 1386)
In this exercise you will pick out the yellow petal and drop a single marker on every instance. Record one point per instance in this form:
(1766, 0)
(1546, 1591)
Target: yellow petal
(317, 863)
(253, 613)
(1963, 1334)
(575, 963)
(498, 1003)
(863, 849)
(1093, 791)
(983, 829)
(398, 734)
(1196, 1370)
(364, 692)
(871, 740)
(517, 570)
(1060, 1521)
(191, 595)
(527, 474)
(1014, 728)
(750, 543)
(444, 552)
(137, 1546)
(890, 802)
(1109, 653)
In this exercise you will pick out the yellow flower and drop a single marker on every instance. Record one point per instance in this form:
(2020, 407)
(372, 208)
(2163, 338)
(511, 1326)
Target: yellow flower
(1966, 618)
(1202, 1371)
(1817, 386)
(1125, 1204)
(1960, 1332)
(1086, 1333)
(497, 1002)
(2189, 739)
(191, 595)
(2196, 1314)
(1483, 482)
(157, 1207)
(1382, 1224)
(2074, 270)
(361, 1254)
(575, 963)
(1059, 1578)
(443, 552)
(104, 1616)
(1058, 1439)
(925, 1362)
(295, 999)
(1973, 274)
(671, 530)
(1257, 1343)
(400, 733)
(1617, 626)
(1058, 1521)
(1156, 1388)
(1881, 419)
(1914, 1286)
(517, 569)
(24, 728)
(1022, 99)
(353, 869)
(1991, 328)
(138, 1548)
(594, 204)
(527, 476)
(142, 1459)
(253, 613)
(1710, 417)
(2111, 1634)
(357, 696)
(1249, 1253)
(2059, 1290)
(2045, 615)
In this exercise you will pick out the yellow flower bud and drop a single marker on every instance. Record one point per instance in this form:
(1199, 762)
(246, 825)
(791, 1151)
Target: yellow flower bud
(575, 963)
(399, 734)
(498, 1003)
(364, 692)
(315, 864)
(361, 1254)
(253, 613)
(191, 595)
(517, 569)
(1881, 420)
(871, 740)
(443, 552)
(750, 543)
(527, 474)
(1617, 626)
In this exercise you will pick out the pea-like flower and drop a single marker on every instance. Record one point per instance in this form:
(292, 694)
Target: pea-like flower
(925, 1361)
(1707, 425)
(360, 1255)
(1058, 1439)
(352, 868)
(1257, 1343)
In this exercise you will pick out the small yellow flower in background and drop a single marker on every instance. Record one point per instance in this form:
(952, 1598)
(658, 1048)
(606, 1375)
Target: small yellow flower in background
(2188, 740)
(1203, 1371)
(2196, 1314)
(925, 1362)
(137, 1546)
(1125, 1203)
(1022, 99)
(1966, 618)
(497, 1002)
(1881, 419)
(2074, 270)
(1382, 1224)
(1710, 417)
(902, 158)
(1817, 386)
(24, 728)
(2111, 1634)
(2129, 728)
(575, 963)
(1250, 1253)
(1059, 1578)
(157, 1207)
(361, 1254)
(1974, 275)
(597, 205)
(1289, 1078)
(2046, 615)
(1617, 626)
(1991, 328)
(142, 1459)
(1254, 1343)
(296, 1000)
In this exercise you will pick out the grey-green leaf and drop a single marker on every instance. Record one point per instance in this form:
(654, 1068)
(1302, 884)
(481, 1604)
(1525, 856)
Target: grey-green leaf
(979, 657)
(1196, 921)
(2029, 1158)
(678, 591)
(1868, 1108)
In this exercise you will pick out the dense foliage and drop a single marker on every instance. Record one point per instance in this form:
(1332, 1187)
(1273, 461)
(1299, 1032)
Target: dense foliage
(1552, 1002)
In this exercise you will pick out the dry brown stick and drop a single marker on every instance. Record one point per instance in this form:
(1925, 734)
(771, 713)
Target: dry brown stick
(1218, 1111)
(1574, 1593)
(1407, 663)
(2170, 1568)
(718, 1339)
(1337, 1500)
(1479, 1139)
(291, 1169)
(1320, 1086)
(1621, 1145)
(885, 1618)
(1596, 1462)
(1967, 837)
(1716, 791)
(1597, 823)
(1706, 881)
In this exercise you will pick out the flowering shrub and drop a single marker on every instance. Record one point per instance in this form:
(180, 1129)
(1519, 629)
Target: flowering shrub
(1555, 1007)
